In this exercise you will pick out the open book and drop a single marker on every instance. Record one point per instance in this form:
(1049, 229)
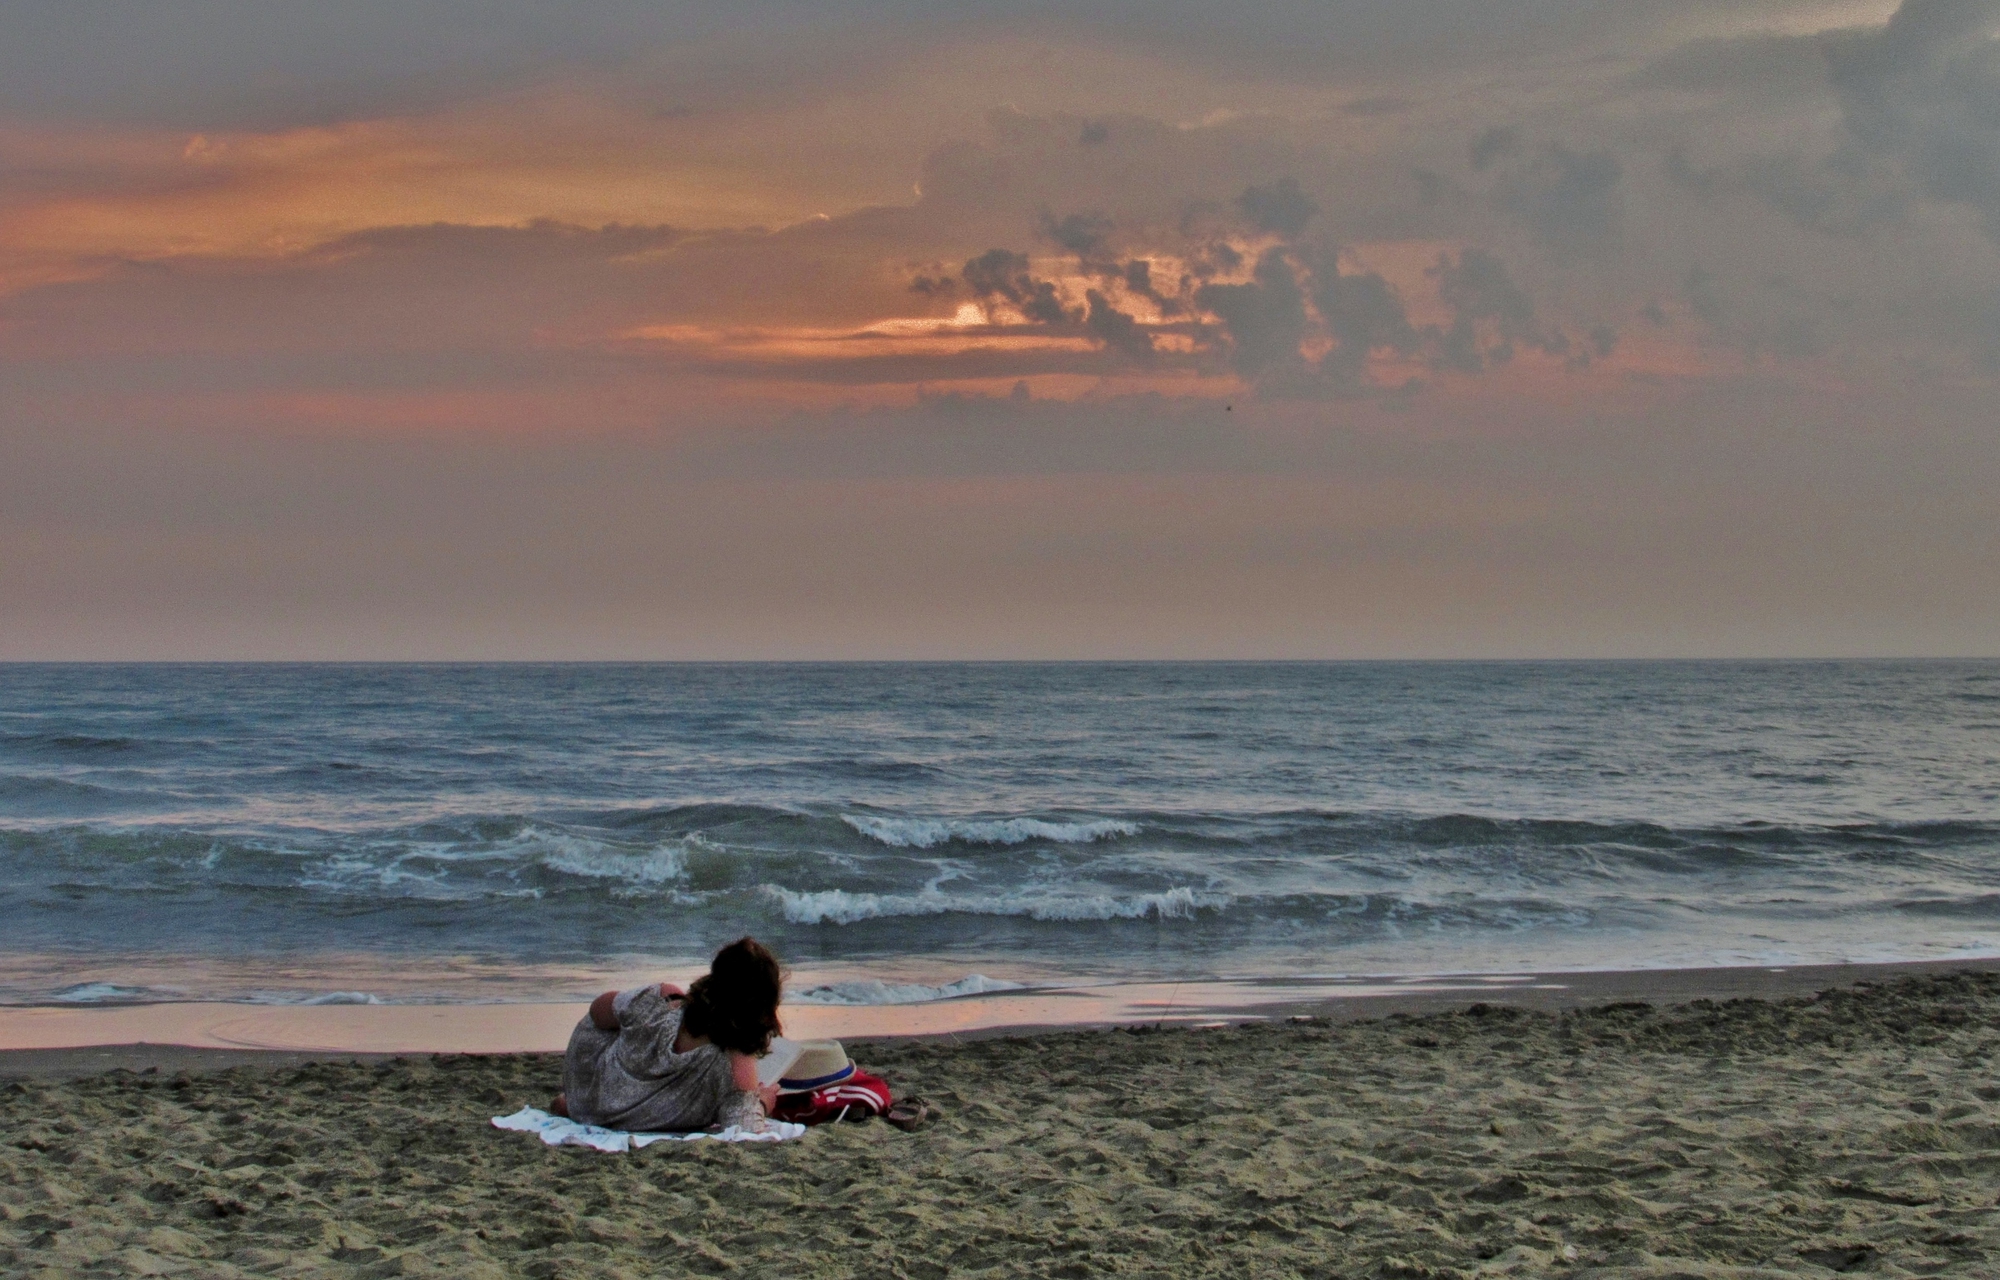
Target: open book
(775, 1063)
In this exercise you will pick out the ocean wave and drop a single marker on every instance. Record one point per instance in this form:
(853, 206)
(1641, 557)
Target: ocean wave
(106, 993)
(1479, 829)
(871, 991)
(928, 833)
(86, 744)
(686, 819)
(45, 796)
(532, 861)
(1985, 906)
(1249, 855)
(840, 907)
(116, 993)
(588, 859)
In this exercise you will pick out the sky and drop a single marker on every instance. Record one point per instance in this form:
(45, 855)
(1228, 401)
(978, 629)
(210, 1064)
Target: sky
(878, 329)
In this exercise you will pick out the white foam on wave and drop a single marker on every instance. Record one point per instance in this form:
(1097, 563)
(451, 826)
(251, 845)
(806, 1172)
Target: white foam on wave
(928, 833)
(838, 906)
(572, 855)
(101, 993)
(426, 869)
(349, 873)
(316, 998)
(872, 991)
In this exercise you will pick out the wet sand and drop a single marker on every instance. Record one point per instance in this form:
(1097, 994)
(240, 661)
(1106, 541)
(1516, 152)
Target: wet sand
(76, 1040)
(1858, 1131)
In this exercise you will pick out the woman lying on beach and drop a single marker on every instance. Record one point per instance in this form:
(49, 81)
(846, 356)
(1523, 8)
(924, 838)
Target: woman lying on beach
(660, 1059)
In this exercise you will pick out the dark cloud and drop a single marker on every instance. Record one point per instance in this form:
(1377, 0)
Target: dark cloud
(1680, 172)
(1137, 277)
(1116, 330)
(1490, 314)
(1568, 199)
(1917, 119)
(1265, 319)
(1002, 273)
(1280, 208)
(1846, 193)
(1207, 259)
(1925, 91)
(1044, 305)
(1299, 325)
(1477, 286)
(1266, 322)
(1087, 235)
(1093, 133)
(1363, 314)
(1494, 144)
(1699, 288)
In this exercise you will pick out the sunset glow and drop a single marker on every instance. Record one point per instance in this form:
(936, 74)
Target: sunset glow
(1690, 285)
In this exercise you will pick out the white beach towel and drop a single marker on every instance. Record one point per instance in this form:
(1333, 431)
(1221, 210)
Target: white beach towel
(560, 1132)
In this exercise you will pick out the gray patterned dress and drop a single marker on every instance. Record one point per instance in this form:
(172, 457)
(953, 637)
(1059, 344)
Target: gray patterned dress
(632, 1079)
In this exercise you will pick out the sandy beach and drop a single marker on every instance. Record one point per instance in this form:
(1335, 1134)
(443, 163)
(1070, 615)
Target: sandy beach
(1854, 1131)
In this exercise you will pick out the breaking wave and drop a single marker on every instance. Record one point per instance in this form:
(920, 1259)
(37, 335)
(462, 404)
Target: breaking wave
(929, 833)
(839, 906)
(114, 993)
(106, 993)
(870, 991)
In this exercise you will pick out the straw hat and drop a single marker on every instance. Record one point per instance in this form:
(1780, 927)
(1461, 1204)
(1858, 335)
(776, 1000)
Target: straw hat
(820, 1063)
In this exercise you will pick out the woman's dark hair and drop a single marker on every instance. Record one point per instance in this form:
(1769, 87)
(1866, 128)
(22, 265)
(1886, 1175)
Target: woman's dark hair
(735, 1004)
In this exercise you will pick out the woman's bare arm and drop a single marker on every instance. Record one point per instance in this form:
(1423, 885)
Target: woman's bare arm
(743, 1073)
(602, 1015)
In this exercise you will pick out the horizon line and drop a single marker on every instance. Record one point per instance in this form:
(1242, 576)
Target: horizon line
(1515, 660)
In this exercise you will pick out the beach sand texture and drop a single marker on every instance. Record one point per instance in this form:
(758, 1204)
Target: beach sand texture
(1857, 1131)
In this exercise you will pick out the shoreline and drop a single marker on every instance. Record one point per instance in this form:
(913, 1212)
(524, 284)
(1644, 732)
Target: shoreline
(49, 1042)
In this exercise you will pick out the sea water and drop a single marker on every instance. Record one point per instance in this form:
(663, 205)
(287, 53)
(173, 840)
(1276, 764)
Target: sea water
(342, 833)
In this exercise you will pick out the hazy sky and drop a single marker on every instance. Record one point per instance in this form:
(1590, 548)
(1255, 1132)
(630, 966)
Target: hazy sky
(1303, 329)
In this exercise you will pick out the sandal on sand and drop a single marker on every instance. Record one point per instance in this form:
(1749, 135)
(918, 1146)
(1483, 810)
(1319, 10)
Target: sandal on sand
(910, 1113)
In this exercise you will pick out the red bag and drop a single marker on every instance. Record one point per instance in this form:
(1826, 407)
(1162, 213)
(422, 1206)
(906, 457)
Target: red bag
(857, 1097)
